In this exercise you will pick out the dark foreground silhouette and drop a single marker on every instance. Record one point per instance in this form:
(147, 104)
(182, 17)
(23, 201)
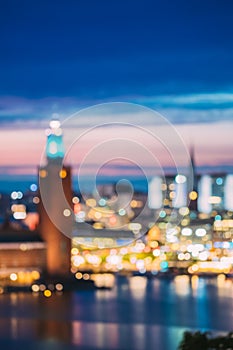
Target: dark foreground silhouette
(204, 341)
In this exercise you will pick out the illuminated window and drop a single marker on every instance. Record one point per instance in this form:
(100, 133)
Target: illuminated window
(43, 173)
(63, 174)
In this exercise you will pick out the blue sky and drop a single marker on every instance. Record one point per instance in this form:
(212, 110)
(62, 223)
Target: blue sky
(95, 50)
(61, 56)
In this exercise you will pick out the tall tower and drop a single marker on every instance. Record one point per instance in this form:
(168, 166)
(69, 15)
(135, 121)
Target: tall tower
(55, 205)
(192, 193)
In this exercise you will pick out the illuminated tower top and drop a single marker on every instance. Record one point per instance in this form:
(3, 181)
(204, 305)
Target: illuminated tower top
(55, 150)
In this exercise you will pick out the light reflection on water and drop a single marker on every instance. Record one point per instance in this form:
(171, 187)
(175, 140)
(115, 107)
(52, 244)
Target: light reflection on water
(136, 314)
(137, 286)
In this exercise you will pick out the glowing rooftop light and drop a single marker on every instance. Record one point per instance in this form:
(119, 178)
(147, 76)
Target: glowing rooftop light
(54, 147)
(55, 124)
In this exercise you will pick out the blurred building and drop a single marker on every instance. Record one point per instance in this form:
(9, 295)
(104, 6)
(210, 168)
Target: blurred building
(23, 255)
(56, 215)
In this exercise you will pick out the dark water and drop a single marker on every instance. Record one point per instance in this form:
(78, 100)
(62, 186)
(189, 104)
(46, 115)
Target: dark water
(137, 314)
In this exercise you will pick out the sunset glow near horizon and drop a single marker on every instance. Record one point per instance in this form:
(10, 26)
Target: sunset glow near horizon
(60, 60)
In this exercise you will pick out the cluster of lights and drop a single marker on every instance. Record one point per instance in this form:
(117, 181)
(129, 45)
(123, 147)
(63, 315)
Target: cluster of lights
(24, 277)
(184, 242)
(82, 276)
(16, 195)
(216, 267)
(19, 211)
(47, 290)
(182, 256)
(174, 236)
(115, 259)
(103, 215)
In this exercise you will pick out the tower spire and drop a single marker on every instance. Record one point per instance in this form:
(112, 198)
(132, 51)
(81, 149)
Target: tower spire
(192, 181)
(192, 167)
(55, 150)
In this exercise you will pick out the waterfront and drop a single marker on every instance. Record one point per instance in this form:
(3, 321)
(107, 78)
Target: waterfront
(137, 313)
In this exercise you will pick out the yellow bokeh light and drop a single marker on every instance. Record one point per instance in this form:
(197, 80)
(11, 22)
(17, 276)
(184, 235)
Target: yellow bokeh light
(79, 275)
(184, 222)
(195, 267)
(86, 276)
(136, 204)
(98, 225)
(133, 204)
(35, 275)
(74, 251)
(193, 195)
(91, 202)
(184, 211)
(172, 187)
(97, 215)
(172, 195)
(63, 174)
(164, 187)
(154, 244)
(13, 277)
(47, 293)
(35, 288)
(153, 234)
(166, 201)
(43, 173)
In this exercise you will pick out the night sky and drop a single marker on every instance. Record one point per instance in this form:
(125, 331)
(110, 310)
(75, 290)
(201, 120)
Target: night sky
(109, 49)
(59, 56)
